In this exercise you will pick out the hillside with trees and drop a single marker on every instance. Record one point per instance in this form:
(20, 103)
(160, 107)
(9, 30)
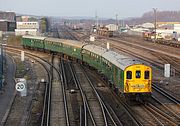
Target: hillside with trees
(162, 16)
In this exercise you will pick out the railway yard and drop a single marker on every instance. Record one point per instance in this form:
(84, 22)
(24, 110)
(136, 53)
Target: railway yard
(64, 91)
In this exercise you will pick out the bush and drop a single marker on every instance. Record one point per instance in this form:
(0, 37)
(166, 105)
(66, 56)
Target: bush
(14, 40)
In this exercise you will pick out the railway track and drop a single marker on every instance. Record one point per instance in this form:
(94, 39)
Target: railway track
(161, 117)
(91, 107)
(110, 111)
(154, 63)
(115, 43)
(55, 100)
(35, 58)
(150, 109)
(64, 32)
(118, 106)
(94, 109)
(162, 42)
(166, 94)
(168, 60)
(7, 114)
(166, 110)
(52, 97)
(157, 114)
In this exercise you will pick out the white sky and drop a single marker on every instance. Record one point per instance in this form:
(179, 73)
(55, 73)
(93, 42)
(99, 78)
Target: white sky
(104, 8)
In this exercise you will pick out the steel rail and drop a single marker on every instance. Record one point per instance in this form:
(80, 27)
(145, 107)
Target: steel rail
(85, 103)
(63, 76)
(164, 93)
(103, 106)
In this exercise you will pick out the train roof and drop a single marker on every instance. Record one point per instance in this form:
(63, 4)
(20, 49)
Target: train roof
(115, 58)
(120, 60)
(34, 37)
(96, 49)
(67, 42)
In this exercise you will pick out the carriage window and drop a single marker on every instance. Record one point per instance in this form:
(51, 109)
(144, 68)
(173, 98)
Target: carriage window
(146, 75)
(138, 74)
(129, 74)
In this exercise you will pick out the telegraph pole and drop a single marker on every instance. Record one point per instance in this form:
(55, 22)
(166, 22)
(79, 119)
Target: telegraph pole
(155, 21)
(96, 19)
(1, 69)
(117, 21)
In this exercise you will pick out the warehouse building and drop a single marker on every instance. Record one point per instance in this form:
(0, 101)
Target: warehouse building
(112, 27)
(9, 16)
(7, 21)
(7, 25)
(26, 32)
(27, 28)
(27, 25)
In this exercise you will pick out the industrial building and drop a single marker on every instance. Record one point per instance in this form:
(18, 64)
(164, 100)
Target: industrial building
(26, 32)
(27, 25)
(112, 27)
(9, 16)
(7, 21)
(7, 25)
(27, 28)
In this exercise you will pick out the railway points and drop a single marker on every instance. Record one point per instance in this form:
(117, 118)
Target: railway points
(65, 69)
(73, 96)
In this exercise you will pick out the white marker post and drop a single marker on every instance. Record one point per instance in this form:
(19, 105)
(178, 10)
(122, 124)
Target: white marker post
(22, 56)
(108, 46)
(21, 86)
(167, 70)
(92, 39)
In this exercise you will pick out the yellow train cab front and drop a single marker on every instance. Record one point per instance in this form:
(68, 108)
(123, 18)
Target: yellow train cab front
(137, 79)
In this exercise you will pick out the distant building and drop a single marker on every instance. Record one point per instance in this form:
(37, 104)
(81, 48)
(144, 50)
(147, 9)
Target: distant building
(166, 23)
(8, 16)
(27, 28)
(43, 25)
(170, 27)
(19, 32)
(177, 27)
(27, 25)
(7, 21)
(25, 18)
(112, 27)
(148, 25)
(7, 25)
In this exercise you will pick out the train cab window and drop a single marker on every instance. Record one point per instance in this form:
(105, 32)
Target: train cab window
(146, 75)
(129, 75)
(138, 74)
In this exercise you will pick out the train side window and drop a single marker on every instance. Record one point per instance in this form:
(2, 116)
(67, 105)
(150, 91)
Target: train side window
(138, 74)
(129, 75)
(146, 75)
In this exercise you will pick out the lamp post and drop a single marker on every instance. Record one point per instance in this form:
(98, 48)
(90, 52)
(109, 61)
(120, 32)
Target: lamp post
(3, 60)
(4, 47)
(1, 67)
